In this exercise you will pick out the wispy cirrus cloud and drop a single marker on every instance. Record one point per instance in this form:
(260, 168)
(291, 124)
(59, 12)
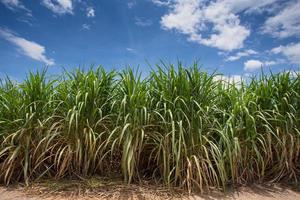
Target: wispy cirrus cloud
(27, 47)
(86, 26)
(131, 50)
(142, 21)
(16, 5)
(59, 6)
(13, 4)
(161, 2)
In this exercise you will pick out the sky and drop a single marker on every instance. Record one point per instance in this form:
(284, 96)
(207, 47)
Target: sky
(235, 37)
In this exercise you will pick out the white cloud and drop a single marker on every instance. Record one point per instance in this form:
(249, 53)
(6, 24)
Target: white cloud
(86, 26)
(233, 79)
(240, 54)
(219, 20)
(131, 50)
(291, 51)
(161, 2)
(252, 65)
(184, 16)
(12, 4)
(293, 74)
(59, 6)
(28, 48)
(15, 4)
(90, 12)
(250, 6)
(286, 23)
(142, 22)
(131, 4)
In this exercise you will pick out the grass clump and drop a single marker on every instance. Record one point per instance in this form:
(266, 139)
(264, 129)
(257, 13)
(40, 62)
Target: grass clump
(178, 126)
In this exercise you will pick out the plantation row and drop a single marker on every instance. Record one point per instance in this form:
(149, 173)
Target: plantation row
(178, 127)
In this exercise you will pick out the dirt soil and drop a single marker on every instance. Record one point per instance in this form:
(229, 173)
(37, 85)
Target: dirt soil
(62, 191)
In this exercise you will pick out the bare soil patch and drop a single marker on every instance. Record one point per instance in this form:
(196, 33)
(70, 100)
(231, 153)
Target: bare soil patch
(93, 189)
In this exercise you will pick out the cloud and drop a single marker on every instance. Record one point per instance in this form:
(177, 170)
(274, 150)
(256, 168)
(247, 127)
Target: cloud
(142, 22)
(268, 63)
(217, 20)
(252, 65)
(131, 50)
(229, 79)
(240, 54)
(59, 6)
(14, 5)
(293, 74)
(28, 48)
(286, 23)
(131, 4)
(248, 6)
(86, 26)
(90, 12)
(161, 2)
(291, 51)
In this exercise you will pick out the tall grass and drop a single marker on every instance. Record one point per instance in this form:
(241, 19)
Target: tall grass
(178, 126)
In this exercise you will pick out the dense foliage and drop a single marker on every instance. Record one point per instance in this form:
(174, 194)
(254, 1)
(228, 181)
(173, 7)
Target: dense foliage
(180, 127)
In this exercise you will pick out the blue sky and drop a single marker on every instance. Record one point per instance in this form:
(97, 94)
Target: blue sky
(235, 37)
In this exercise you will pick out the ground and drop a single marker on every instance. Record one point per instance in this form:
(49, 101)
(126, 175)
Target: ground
(93, 190)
